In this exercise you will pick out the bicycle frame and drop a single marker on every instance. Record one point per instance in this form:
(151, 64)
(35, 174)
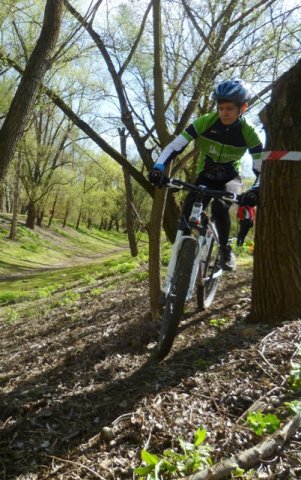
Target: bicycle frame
(201, 234)
(202, 241)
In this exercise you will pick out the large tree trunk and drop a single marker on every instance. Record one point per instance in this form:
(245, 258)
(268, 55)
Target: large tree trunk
(277, 258)
(26, 93)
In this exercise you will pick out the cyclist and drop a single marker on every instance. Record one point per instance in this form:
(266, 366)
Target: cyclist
(222, 138)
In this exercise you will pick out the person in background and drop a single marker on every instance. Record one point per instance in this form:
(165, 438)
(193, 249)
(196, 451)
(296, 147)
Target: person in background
(222, 138)
(245, 215)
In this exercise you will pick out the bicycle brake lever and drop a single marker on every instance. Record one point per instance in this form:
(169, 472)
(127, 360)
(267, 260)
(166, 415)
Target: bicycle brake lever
(232, 196)
(172, 183)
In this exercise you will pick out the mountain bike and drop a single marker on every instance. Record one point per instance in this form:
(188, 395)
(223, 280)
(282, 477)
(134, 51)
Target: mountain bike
(194, 264)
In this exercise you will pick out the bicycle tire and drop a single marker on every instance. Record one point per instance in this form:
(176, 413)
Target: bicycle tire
(176, 298)
(210, 273)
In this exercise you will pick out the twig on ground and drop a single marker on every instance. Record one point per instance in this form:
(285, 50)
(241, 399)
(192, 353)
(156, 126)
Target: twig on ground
(97, 475)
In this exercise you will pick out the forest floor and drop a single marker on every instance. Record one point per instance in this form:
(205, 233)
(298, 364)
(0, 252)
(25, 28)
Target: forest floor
(66, 375)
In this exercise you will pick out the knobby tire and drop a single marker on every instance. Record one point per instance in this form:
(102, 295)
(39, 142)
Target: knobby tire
(176, 298)
(207, 284)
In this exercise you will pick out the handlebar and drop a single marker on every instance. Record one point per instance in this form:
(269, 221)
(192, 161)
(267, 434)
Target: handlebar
(175, 182)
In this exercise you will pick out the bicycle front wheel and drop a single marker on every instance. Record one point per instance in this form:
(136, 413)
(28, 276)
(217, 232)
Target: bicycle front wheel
(210, 273)
(175, 300)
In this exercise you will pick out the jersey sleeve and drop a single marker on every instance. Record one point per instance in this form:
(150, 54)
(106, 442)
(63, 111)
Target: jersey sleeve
(174, 148)
(254, 143)
(177, 145)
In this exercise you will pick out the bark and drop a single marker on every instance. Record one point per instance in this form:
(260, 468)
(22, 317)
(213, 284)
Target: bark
(129, 212)
(276, 292)
(67, 211)
(171, 217)
(23, 101)
(31, 215)
(154, 234)
(40, 216)
(79, 218)
(52, 211)
(159, 103)
(13, 228)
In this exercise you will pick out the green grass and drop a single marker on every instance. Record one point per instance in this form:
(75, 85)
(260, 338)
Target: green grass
(37, 257)
(49, 247)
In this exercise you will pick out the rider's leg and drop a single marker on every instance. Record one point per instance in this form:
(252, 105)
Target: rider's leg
(221, 215)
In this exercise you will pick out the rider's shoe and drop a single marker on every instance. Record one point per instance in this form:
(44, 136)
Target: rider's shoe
(228, 261)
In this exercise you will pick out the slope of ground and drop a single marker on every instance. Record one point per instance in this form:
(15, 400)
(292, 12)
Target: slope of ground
(56, 247)
(66, 375)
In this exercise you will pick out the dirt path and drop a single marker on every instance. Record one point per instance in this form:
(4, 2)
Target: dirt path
(66, 375)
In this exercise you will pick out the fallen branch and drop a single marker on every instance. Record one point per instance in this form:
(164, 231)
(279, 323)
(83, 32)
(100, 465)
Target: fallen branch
(249, 458)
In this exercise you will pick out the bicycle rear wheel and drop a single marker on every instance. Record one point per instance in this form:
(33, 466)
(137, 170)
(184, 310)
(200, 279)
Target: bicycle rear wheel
(176, 298)
(210, 273)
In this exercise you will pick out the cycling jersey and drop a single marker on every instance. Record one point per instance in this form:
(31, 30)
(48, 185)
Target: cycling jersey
(221, 146)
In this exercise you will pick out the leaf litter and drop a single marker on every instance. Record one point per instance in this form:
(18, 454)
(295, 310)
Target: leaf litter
(81, 398)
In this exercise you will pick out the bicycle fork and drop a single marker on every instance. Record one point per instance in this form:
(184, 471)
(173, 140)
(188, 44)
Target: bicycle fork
(202, 245)
(180, 238)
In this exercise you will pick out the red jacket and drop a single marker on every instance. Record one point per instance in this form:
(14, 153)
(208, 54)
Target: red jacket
(245, 213)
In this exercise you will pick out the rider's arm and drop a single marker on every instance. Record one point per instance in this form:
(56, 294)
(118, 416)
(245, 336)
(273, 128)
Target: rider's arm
(255, 146)
(177, 145)
(174, 148)
(256, 153)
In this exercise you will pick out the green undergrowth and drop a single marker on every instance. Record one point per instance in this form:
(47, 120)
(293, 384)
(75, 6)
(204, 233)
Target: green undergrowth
(44, 284)
(49, 247)
(56, 286)
(35, 275)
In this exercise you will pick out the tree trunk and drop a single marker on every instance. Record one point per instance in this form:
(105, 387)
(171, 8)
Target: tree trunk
(171, 217)
(13, 229)
(2, 196)
(154, 234)
(22, 103)
(129, 213)
(276, 293)
(52, 211)
(40, 216)
(78, 219)
(31, 215)
(66, 214)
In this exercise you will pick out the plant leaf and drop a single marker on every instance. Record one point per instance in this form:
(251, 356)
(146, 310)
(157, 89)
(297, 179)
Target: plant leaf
(199, 436)
(149, 458)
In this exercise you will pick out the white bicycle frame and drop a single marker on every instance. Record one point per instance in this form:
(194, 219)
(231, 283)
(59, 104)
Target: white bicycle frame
(203, 244)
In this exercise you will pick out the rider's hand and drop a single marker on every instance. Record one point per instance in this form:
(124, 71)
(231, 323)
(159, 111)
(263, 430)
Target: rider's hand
(249, 198)
(156, 176)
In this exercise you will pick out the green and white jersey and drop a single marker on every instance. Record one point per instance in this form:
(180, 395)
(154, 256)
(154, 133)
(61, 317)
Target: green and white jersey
(216, 142)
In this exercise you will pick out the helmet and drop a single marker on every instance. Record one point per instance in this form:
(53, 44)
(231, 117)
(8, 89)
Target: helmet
(234, 90)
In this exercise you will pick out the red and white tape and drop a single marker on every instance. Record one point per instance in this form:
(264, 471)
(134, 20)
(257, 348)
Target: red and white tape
(281, 155)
